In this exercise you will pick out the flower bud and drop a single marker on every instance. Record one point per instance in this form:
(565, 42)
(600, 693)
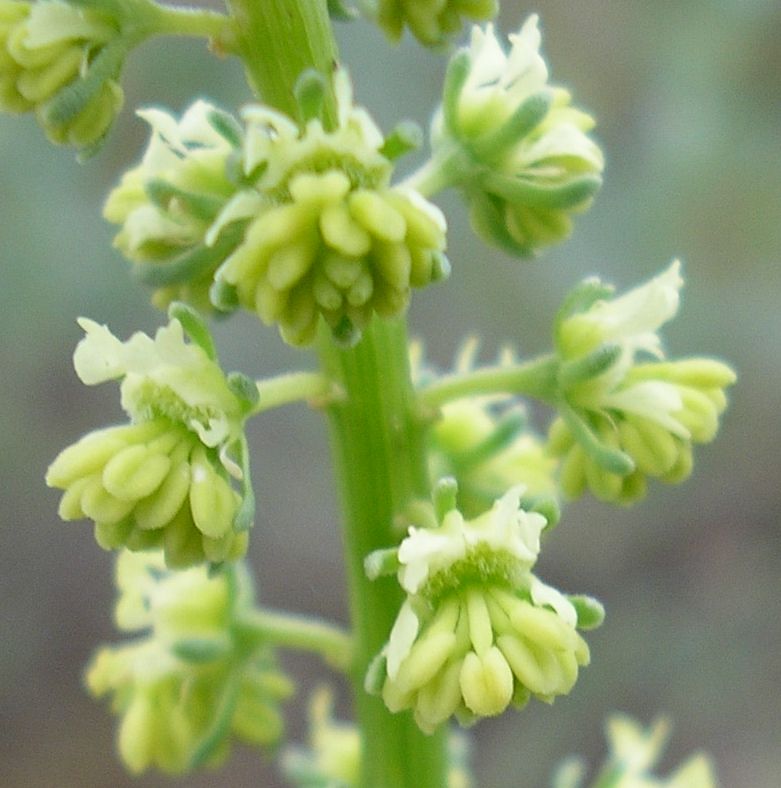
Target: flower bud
(513, 144)
(167, 480)
(432, 22)
(62, 62)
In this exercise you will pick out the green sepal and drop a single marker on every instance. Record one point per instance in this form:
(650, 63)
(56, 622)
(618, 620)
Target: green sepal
(226, 126)
(489, 220)
(223, 296)
(546, 505)
(525, 118)
(310, 91)
(189, 265)
(591, 366)
(201, 650)
(445, 496)
(406, 137)
(612, 460)
(376, 674)
(195, 326)
(220, 728)
(72, 99)
(201, 206)
(382, 563)
(245, 516)
(340, 11)
(244, 388)
(440, 267)
(506, 430)
(591, 612)
(542, 195)
(582, 297)
(455, 78)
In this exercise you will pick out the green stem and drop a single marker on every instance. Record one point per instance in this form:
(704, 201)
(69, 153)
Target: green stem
(378, 446)
(298, 632)
(447, 168)
(377, 441)
(535, 378)
(294, 387)
(175, 21)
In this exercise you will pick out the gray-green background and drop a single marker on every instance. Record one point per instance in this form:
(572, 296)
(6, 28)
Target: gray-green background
(688, 98)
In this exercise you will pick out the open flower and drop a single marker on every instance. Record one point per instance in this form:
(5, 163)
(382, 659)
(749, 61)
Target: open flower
(61, 61)
(626, 413)
(478, 631)
(166, 206)
(515, 146)
(167, 479)
(187, 684)
(329, 236)
(432, 22)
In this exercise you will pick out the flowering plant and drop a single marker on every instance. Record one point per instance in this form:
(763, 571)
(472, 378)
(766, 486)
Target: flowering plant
(291, 209)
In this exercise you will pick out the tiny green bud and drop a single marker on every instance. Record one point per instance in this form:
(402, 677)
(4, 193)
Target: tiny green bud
(515, 147)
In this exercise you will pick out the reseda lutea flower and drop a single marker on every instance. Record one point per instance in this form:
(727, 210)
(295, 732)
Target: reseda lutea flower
(187, 684)
(514, 145)
(62, 62)
(166, 206)
(329, 236)
(623, 418)
(478, 631)
(167, 479)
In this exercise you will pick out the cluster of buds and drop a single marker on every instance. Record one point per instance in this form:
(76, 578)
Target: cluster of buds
(515, 146)
(293, 222)
(62, 62)
(478, 631)
(189, 683)
(634, 752)
(432, 22)
(623, 420)
(486, 445)
(167, 205)
(168, 479)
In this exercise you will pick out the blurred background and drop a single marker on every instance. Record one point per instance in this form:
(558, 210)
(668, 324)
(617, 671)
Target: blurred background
(688, 99)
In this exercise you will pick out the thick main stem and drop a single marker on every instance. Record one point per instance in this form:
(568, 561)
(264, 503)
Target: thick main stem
(376, 440)
(377, 443)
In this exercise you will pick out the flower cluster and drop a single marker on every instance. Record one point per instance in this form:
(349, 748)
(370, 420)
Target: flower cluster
(293, 222)
(165, 480)
(633, 753)
(61, 61)
(167, 205)
(514, 145)
(478, 631)
(432, 22)
(330, 237)
(188, 683)
(623, 420)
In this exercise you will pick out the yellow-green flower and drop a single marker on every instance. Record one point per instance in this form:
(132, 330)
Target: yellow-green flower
(624, 419)
(187, 684)
(432, 22)
(514, 145)
(62, 62)
(329, 235)
(478, 631)
(167, 480)
(166, 206)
